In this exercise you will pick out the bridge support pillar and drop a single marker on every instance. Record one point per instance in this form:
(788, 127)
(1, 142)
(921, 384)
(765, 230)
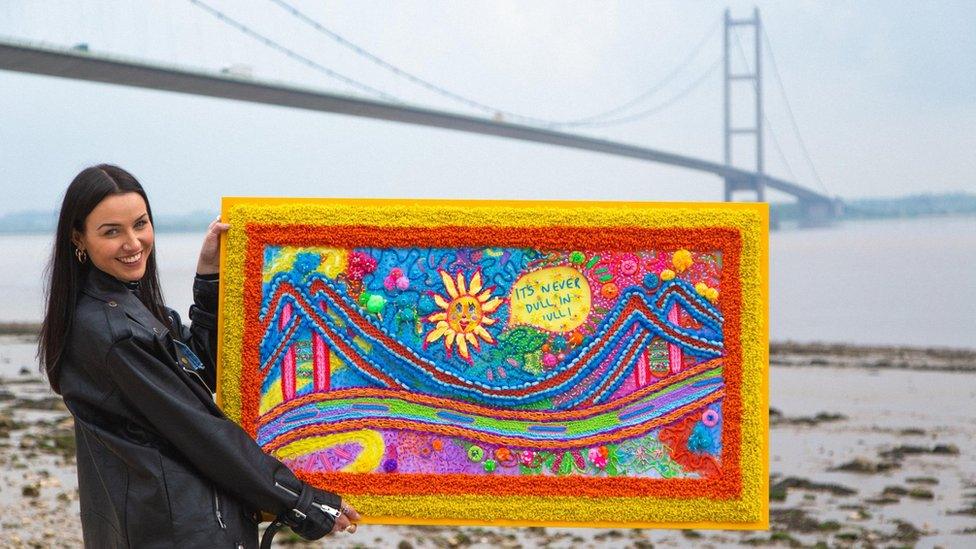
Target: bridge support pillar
(754, 184)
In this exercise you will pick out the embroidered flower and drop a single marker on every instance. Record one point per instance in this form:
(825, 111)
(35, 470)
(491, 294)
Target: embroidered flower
(681, 260)
(598, 457)
(360, 265)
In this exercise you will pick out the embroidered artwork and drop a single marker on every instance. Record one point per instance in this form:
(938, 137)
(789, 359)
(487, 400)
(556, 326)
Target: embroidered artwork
(497, 363)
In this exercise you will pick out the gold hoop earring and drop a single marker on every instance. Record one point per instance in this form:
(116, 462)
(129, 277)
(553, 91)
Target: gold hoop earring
(81, 255)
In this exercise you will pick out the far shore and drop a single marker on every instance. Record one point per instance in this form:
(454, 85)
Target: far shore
(20, 328)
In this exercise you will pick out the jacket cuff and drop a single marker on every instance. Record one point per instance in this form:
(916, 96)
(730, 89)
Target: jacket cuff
(205, 293)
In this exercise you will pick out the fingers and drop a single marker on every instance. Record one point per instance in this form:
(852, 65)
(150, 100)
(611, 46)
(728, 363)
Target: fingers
(350, 512)
(341, 524)
(348, 517)
(217, 227)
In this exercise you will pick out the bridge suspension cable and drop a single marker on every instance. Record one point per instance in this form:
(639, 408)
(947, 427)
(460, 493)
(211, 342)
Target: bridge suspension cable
(667, 103)
(789, 110)
(765, 122)
(598, 119)
(293, 54)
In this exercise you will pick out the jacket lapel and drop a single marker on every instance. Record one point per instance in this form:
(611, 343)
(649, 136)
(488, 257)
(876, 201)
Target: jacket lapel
(106, 288)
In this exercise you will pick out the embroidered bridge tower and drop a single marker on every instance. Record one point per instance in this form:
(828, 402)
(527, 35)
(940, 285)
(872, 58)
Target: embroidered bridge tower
(320, 358)
(661, 357)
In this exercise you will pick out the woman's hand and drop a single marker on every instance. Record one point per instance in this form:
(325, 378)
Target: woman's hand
(347, 520)
(209, 262)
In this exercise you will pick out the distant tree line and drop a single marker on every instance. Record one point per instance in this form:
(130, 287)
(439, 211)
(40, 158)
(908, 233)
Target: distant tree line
(916, 205)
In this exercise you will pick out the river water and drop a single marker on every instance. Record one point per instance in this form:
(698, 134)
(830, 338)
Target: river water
(892, 282)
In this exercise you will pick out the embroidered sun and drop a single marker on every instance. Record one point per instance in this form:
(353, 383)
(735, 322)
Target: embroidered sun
(465, 314)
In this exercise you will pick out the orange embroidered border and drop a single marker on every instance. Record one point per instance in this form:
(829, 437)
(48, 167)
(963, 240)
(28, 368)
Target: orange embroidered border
(726, 485)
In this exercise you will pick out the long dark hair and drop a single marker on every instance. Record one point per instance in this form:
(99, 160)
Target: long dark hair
(66, 274)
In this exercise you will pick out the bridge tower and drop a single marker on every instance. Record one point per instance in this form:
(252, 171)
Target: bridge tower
(757, 183)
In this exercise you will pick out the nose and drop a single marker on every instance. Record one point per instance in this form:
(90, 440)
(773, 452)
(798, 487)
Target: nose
(131, 241)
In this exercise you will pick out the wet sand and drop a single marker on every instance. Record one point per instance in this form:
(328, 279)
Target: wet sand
(870, 447)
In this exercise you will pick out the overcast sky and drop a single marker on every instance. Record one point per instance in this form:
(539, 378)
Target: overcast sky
(884, 94)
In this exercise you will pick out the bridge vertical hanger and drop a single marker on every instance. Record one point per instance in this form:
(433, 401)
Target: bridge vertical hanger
(756, 182)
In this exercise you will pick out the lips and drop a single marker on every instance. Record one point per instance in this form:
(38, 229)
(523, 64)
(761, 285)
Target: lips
(130, 259)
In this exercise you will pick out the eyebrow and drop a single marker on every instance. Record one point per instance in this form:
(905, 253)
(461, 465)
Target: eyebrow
(118, 224)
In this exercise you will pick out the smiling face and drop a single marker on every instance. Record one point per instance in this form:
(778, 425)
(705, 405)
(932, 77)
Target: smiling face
(464, 314)
(118, 236)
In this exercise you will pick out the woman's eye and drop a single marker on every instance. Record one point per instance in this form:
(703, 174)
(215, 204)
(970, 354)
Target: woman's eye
(141, 223)
(111, 232)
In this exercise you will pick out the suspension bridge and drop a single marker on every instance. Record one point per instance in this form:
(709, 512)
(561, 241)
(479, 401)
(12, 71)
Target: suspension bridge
(815, 206)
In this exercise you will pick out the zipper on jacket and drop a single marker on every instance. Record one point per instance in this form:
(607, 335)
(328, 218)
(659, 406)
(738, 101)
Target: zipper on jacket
(189, 371)
(217, 513)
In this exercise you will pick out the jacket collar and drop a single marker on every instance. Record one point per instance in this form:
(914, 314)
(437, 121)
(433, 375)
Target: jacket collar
(104, 287)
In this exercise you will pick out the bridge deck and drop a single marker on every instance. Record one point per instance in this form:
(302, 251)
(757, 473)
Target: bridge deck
(81, 65)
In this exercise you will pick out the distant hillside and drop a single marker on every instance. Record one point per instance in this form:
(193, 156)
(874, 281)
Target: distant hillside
(35, 221)
(31, 221)
(916, 205)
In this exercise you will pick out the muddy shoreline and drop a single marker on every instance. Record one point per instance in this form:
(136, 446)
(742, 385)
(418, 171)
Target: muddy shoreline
(19, 328)
(787, 354)
(879, 456)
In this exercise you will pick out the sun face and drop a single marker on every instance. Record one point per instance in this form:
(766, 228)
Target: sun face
(464, 315)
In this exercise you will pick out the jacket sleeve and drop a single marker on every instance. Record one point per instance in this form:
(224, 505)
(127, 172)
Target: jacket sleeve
(220, 449)
(201, 337)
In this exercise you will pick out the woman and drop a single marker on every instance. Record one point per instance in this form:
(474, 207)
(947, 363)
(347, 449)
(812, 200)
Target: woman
(159, 465)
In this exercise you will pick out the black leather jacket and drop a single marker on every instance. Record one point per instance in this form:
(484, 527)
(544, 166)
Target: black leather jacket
(159, 465)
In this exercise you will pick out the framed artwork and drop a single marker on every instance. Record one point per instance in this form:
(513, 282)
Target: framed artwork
(505, 363)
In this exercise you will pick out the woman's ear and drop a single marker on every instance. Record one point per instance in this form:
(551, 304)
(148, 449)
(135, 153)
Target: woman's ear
(76, 238)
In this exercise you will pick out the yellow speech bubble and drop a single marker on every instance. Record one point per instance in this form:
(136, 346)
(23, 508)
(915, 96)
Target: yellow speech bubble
(556, 299)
